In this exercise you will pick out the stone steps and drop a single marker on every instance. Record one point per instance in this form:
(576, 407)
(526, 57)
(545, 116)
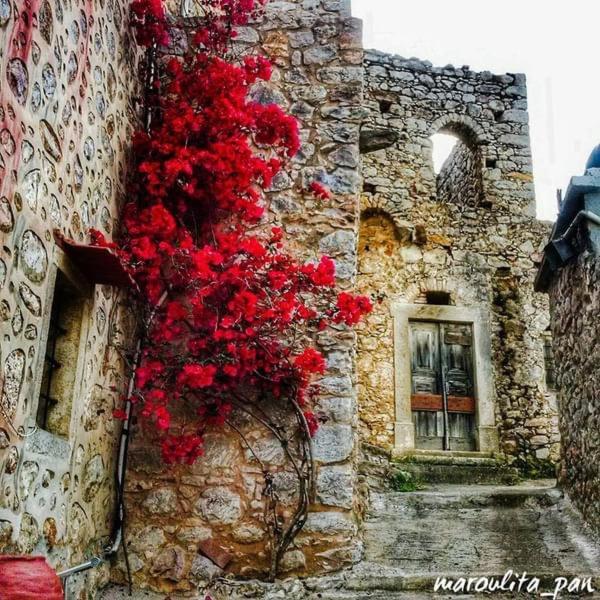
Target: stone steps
(456, 468)
(470, 531)
(378, 467)
(371, 579)
(476, 529)
(121, 594)
(427, 596)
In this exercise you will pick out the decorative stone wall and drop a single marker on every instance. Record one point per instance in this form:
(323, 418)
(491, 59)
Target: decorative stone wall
(66, 84)
(575, 306)
(172, 511)
(470, 232)
(66, 114)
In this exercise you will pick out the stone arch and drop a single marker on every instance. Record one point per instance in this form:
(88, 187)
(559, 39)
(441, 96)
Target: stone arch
(416, 292)
(466, 286)
(373, 205)
(463, 126)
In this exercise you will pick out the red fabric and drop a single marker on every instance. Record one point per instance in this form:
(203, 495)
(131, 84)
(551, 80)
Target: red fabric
(27, 578)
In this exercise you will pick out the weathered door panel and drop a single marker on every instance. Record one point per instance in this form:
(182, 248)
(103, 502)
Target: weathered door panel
(457, 358)
(462, 431)
(425, 358)
(429, 429)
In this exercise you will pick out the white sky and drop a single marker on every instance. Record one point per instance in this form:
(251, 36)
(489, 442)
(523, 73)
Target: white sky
(555, 43)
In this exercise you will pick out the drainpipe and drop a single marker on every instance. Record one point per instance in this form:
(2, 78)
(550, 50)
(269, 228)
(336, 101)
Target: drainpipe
(90, 564)
(580, 216)
(117, 537)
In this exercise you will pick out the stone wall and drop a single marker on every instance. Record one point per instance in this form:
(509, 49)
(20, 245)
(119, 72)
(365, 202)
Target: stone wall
(316, 48)
(66, 114)
(459, 179)
(420, 234)
(575, 305)
(66, 81)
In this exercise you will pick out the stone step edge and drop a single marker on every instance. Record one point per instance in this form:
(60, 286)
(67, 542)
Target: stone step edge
(452, 460)
(418, 595)
(511, 498)
(466, 491)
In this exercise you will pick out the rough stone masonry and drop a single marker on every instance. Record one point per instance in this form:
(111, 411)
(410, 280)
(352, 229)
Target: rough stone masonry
(67, 106)
(570, 274)
(316, 49)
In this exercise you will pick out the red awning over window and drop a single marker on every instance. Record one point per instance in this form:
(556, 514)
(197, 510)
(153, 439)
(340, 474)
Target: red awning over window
(28, 578)
(98, 264)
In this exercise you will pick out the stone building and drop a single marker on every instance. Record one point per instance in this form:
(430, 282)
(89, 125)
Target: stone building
(449, 257)
(66, 116)
(570, 274)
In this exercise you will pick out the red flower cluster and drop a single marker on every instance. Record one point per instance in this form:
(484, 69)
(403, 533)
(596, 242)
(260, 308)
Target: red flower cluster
(149, 21)
(237, 302)
(350, 309)
(220, 17)
(197, 376)
(320, 191)
(310, 361)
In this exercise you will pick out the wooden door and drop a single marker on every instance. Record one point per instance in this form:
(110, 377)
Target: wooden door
(442, 355)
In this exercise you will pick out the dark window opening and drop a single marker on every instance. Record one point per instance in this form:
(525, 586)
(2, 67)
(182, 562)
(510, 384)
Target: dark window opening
(369, 188)
(60, 358)
(385, 106)
(491, 163)
(439, 298)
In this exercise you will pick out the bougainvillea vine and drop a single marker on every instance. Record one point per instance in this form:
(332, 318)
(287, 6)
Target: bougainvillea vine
(232, 327)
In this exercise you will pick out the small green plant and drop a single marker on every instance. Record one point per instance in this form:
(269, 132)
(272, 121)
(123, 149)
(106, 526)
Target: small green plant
(403, 481)
(537, 469)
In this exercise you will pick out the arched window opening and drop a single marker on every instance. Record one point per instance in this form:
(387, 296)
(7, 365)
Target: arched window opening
(458, 166)
(443, 146)
(378, 233)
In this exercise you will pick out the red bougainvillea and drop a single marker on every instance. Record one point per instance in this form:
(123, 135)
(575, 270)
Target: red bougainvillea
(232, 307)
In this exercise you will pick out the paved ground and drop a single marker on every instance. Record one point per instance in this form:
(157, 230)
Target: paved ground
(453, 531)
(477, 530)
(470, 531)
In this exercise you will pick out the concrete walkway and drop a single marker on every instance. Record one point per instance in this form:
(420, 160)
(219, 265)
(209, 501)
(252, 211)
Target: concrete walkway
(452, 531)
